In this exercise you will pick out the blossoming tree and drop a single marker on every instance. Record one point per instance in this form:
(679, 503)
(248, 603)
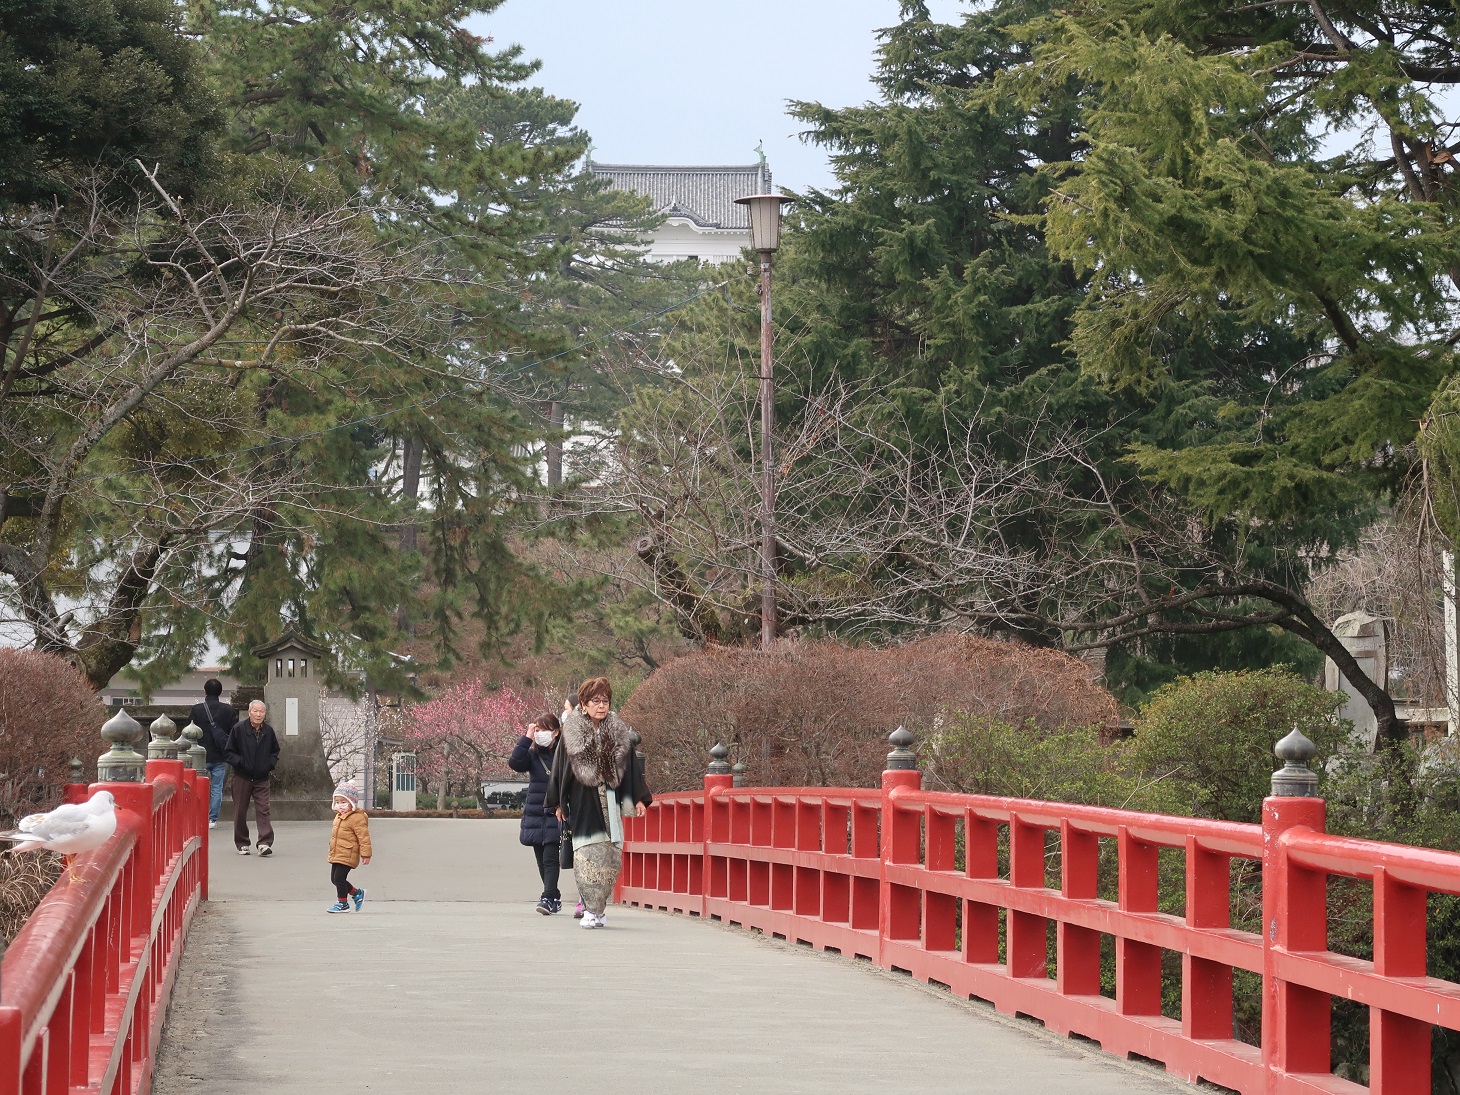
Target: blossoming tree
(463, 736)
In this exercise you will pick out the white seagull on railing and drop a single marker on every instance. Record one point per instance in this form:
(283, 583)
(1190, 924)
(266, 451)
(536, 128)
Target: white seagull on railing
(69, 829)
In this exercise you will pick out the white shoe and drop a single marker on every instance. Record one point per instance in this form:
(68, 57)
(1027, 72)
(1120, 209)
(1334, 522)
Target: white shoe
(243, 851)
(212, 825)
(591, 921)
(266, 849)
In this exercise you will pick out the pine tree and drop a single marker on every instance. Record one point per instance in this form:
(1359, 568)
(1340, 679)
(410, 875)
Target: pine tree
(439, 135)
(91, 85)
(439, 168)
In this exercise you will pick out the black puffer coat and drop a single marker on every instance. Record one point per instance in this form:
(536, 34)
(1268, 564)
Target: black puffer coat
(539, 826)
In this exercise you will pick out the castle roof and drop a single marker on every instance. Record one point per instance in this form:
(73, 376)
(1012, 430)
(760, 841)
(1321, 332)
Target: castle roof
(704, 195)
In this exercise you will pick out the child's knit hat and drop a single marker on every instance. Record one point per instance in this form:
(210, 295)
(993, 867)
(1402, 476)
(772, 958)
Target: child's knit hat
(351, 791)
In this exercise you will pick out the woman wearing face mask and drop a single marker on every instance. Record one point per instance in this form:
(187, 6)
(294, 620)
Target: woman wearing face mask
(534, 755)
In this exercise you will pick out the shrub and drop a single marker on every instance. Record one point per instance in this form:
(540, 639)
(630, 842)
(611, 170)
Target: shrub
(1209, 738)
(979, 756)
(818, 713)
(48, 714)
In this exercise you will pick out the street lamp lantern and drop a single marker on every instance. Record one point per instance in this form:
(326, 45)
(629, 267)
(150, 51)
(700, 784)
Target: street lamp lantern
(765, 237)
(765, 219)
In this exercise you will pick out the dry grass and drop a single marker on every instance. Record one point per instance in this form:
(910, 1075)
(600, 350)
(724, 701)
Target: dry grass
(24, 880)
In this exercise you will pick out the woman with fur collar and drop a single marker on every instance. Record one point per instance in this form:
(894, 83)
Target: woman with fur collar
(595, 782)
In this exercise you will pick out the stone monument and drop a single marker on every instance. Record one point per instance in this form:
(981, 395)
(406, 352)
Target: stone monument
(1366, 639)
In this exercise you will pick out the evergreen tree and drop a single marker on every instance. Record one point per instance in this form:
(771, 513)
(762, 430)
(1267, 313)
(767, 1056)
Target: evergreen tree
(438, 134)
(414, 133)
(927, 275)
(91, 85)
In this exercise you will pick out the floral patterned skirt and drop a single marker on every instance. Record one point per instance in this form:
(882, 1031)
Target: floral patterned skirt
(595, 869)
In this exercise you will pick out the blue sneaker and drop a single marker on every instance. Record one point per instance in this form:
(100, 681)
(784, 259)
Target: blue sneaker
(545, 906)
(557, 905)
(359, 898)
(338, 906)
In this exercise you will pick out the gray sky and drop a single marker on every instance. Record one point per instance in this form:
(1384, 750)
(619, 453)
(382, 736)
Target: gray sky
(701, 81)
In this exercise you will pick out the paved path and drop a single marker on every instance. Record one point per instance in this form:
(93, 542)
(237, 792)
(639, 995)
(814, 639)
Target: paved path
(448, 981)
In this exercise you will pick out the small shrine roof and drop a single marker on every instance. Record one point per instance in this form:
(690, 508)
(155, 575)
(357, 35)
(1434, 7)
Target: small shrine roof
(292, 636)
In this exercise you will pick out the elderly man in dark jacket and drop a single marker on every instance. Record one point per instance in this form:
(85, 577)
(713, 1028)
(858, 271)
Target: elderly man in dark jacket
(253, 750)
(215, 719)
(534, 755)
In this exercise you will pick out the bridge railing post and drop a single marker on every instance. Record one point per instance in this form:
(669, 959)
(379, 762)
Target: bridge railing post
(11, 1036)
(74, 790)
(715, 872)
(196, 757)
(900, 907)
(1295, 1018)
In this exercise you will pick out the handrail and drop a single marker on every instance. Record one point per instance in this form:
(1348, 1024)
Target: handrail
(1229, 837)
(1426, 868)
(43, 953)
(85, 983)
(954, 890)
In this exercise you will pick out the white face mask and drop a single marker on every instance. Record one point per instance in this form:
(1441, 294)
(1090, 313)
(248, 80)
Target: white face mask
(543, 738)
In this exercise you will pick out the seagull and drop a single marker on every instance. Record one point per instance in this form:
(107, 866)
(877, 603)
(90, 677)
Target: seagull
(69, 829)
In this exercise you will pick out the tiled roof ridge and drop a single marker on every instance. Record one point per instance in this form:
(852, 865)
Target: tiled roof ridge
(704, 193)
(597, 165)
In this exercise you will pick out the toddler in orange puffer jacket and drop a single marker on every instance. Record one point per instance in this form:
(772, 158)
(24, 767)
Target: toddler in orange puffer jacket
(349, 846)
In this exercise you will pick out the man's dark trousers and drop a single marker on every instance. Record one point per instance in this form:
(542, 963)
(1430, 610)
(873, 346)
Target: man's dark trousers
(258, 790)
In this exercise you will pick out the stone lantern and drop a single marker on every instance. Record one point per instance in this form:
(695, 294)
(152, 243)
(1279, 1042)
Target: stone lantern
(293, 666)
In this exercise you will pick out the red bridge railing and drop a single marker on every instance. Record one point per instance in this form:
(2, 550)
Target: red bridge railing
(875, 873)
(85, 984)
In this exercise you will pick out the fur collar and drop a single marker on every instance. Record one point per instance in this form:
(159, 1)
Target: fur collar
(575, 738)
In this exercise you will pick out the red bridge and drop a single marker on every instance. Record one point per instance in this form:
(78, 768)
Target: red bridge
(877, 874)
(84, 986)
(952, 889)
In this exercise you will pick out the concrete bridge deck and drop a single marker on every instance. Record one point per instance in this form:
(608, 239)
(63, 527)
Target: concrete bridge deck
(448, 981)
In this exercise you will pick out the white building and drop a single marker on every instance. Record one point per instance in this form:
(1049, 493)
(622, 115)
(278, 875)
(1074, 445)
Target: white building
(702, 220)
(122, 690)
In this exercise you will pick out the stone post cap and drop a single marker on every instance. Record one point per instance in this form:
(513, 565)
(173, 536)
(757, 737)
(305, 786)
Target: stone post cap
(718, 764)
(197, 755)
(121, 763)
(163, 745)
(121, 729)
(78, 770)
(902, 756)
(1295, 779)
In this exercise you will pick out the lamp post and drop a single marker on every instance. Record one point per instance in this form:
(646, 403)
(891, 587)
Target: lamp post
(765, 237)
